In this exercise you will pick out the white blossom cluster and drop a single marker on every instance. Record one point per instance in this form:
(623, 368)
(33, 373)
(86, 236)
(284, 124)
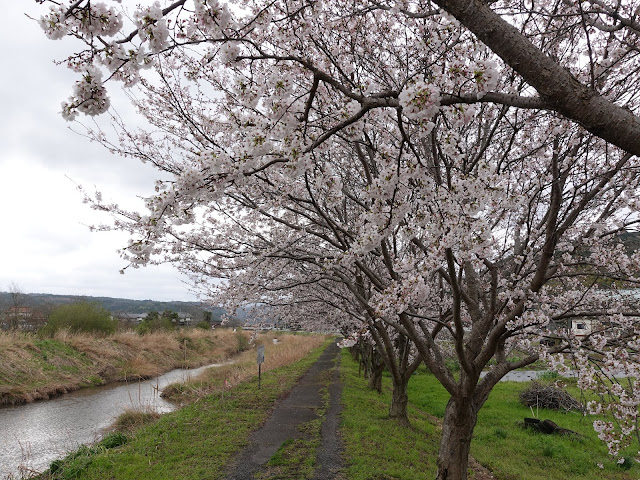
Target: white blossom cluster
(89, 96)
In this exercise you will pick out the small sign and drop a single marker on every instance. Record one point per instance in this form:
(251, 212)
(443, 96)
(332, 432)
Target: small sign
(260, 354)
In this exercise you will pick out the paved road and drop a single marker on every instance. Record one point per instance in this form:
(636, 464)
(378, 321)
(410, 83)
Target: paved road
(297, 408)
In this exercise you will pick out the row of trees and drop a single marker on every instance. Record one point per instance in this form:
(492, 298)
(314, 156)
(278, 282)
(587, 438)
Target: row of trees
(84, 316)
(436, 178)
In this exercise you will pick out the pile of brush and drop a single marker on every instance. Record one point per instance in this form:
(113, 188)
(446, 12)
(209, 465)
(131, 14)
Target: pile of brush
(541, 395)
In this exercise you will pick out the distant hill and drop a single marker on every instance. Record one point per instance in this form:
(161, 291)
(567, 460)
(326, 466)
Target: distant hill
(114, 305)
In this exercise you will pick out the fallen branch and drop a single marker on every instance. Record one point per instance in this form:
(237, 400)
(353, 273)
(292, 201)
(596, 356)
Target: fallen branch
(547, 427)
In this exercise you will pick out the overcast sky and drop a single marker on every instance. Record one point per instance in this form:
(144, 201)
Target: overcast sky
(45, 246)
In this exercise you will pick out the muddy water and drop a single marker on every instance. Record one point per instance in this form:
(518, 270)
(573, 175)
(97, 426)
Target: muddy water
(33, 435)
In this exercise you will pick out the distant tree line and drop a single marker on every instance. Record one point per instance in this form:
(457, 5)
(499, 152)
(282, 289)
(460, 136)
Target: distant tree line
(16, 306)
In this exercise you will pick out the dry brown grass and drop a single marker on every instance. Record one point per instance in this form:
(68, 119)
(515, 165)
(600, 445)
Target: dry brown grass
(132, 419)
(290, 348)
(32, 368)
(128, 338)
(96, 348)
(11, 338)
(161, 341)
(140, 367)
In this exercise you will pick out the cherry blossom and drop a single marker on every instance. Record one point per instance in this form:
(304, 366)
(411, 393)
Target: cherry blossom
(394, 171)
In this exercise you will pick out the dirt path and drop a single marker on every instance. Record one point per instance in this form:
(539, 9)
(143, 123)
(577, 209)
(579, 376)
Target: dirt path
(286, 424)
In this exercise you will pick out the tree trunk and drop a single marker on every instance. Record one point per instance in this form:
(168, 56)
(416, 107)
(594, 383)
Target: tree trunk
(375, 375)
(399, 400)
(365, 359)
(355, 353)
(453, 457)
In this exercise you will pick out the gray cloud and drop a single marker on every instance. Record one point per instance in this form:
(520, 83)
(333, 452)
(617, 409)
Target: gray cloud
(45, 246)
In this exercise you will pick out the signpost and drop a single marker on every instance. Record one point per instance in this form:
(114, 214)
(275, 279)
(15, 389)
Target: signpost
(260, 362)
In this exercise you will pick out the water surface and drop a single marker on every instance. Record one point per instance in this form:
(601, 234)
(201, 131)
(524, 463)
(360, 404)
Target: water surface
(33, 435)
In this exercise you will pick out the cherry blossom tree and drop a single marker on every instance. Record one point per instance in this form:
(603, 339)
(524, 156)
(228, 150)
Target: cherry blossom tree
(457, 174)
(291, 263)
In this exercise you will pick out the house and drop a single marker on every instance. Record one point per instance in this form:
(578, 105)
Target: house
(20, 312)
(130, 318)
(582, 327)
(23, 318)
(185, 319)
(579, 327)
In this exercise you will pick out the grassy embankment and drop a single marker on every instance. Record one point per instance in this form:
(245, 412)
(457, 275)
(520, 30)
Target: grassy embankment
(198, 441)
(33, 368)
(376, 447)
(290, 348)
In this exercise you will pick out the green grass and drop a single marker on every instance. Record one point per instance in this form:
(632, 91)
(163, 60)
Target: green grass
(93, 381)
(200, 440)
(74, 464)
(514, 453)
(280, 457)
(376, 447)
(66, 358)
(295, 459)
(195, 442)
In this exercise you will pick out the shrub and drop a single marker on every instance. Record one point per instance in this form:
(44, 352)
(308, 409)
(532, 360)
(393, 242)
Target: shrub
(80, 317)
(453, 365)
(204, 325)
(243, 343)
(155, 322)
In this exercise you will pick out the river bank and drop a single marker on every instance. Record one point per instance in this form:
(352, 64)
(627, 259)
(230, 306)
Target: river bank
(34, 368)
(202, 439)
(199, 440)
(37, 433)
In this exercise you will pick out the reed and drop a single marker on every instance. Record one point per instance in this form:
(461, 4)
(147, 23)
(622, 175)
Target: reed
(132, 419)
(289, 349)
(33, 368)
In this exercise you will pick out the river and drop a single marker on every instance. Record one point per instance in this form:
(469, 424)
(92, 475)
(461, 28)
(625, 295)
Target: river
(33, 435)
